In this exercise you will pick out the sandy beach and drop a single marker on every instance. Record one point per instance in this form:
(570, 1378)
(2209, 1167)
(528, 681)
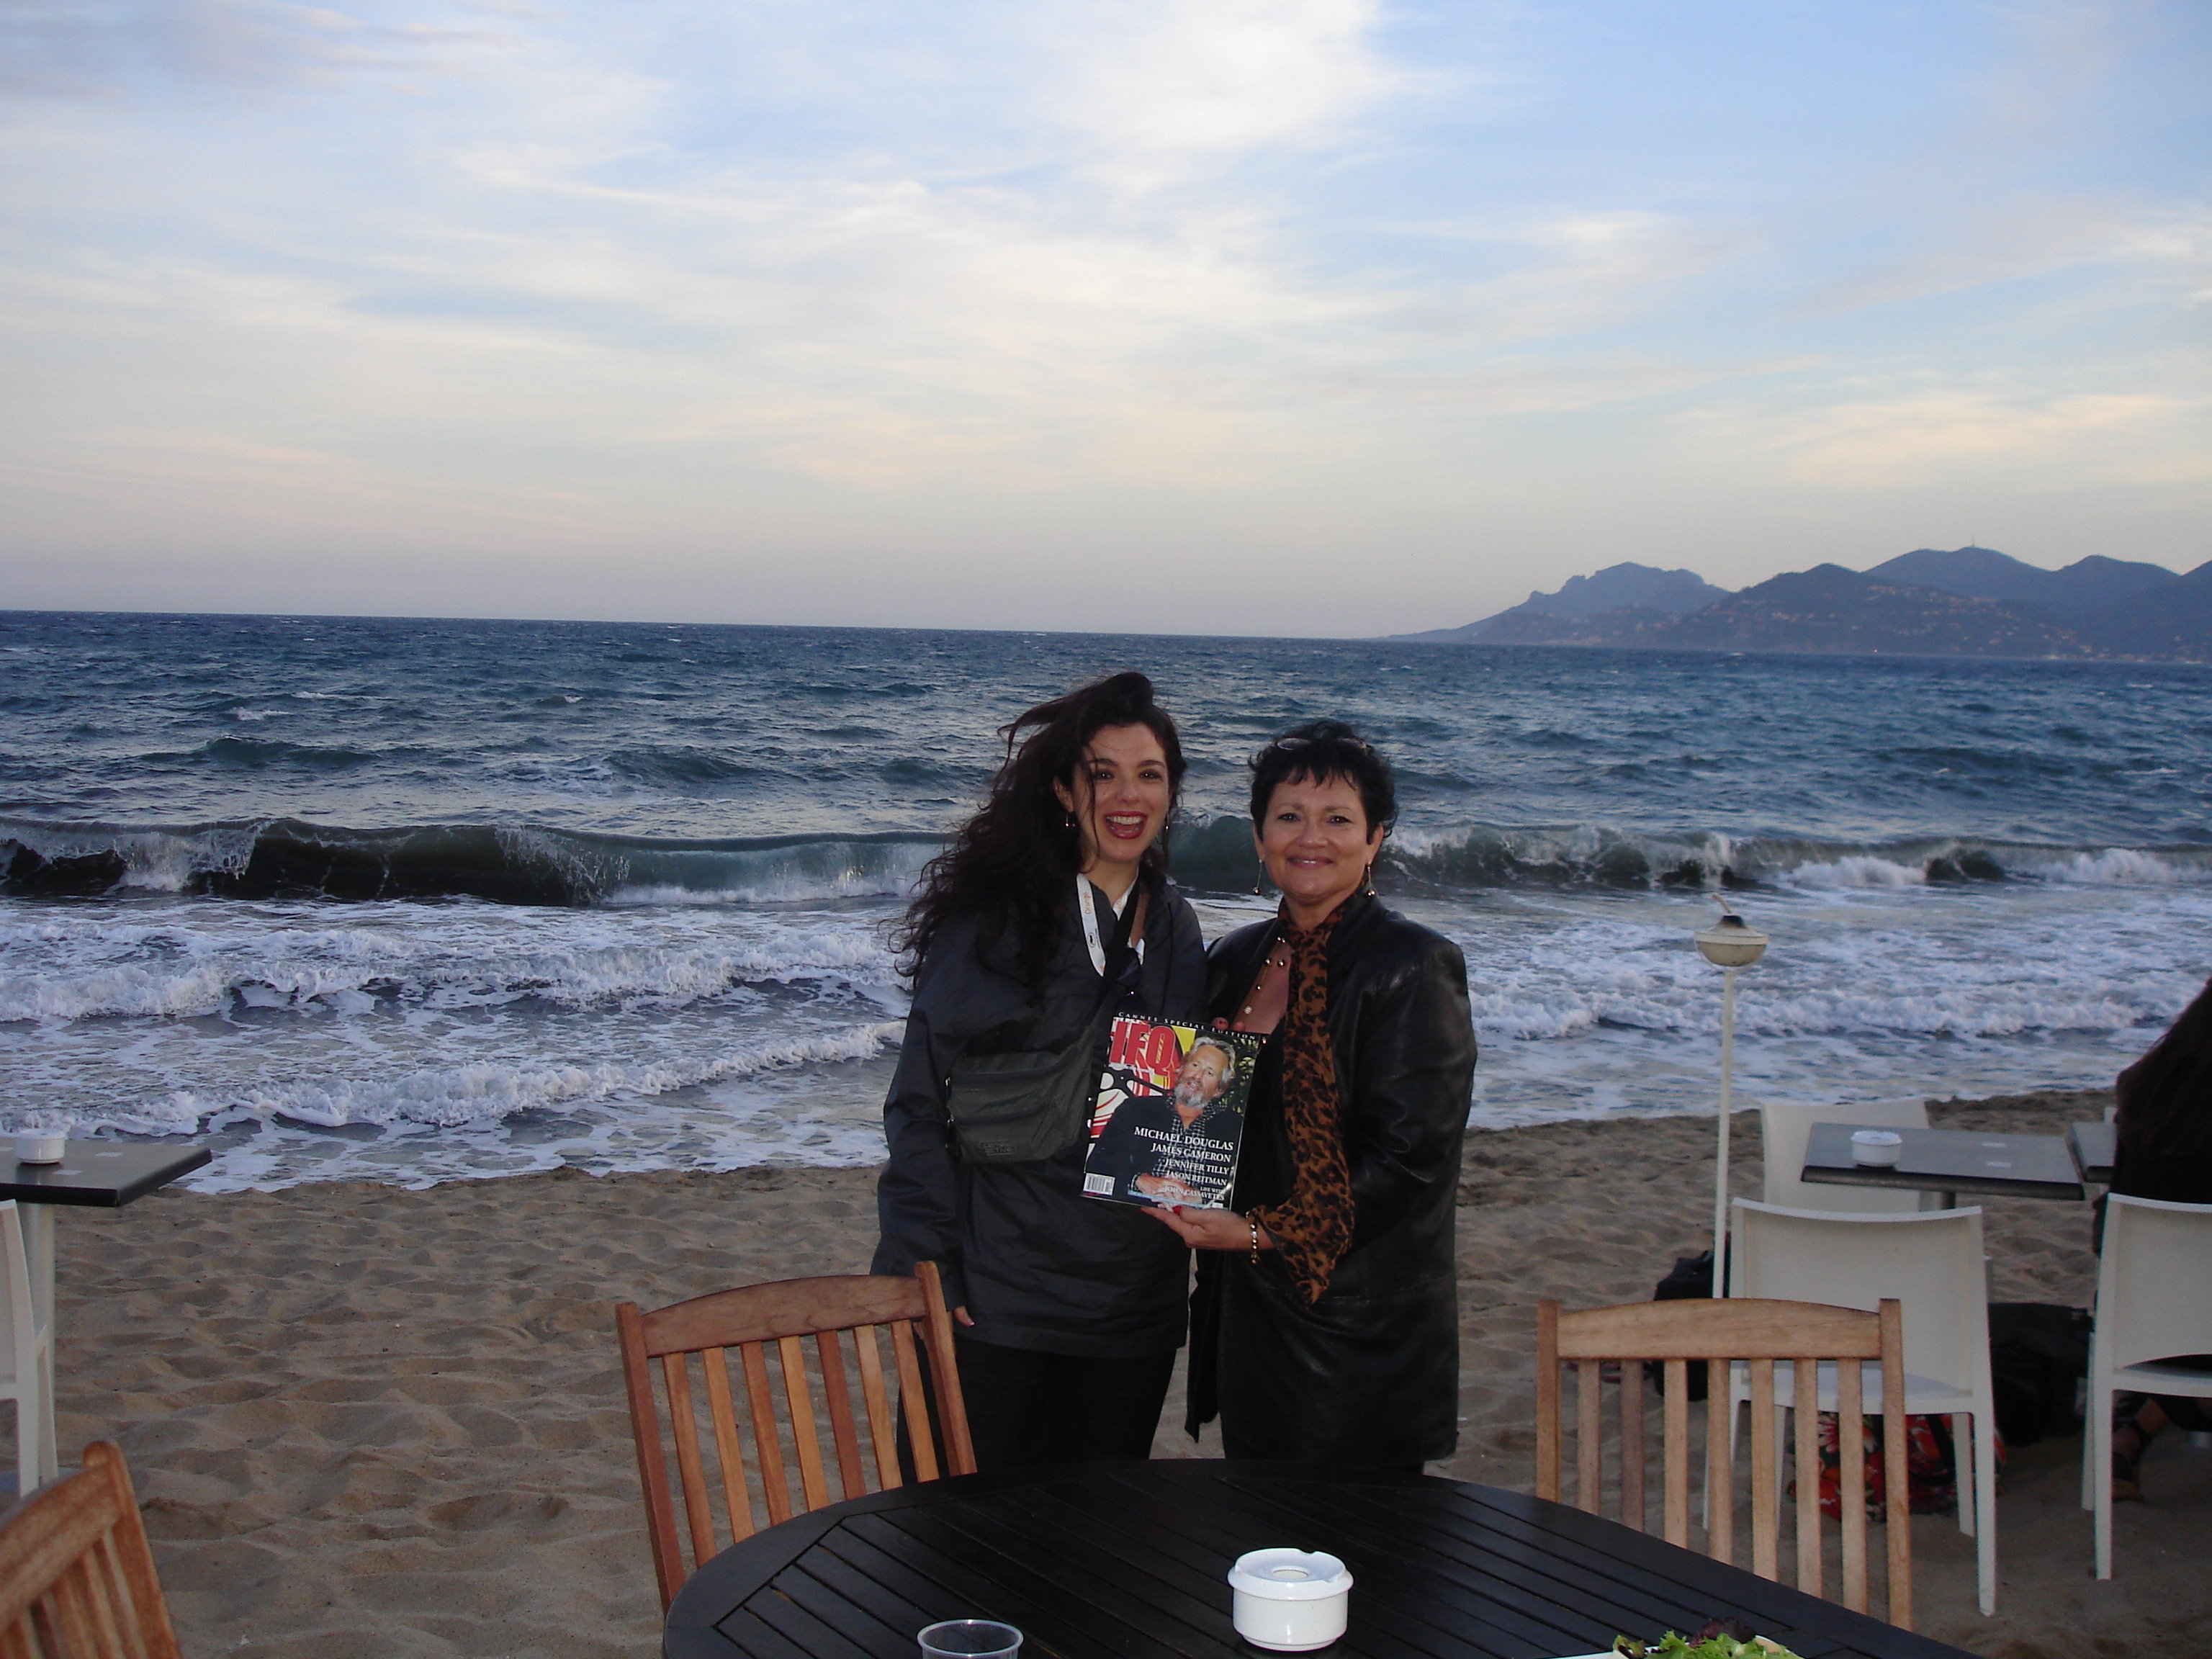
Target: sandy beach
(368, 1421)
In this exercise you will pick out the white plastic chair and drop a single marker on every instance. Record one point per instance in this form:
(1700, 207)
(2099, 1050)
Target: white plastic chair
(2154, 1301)
(27, 1360)
(1932, 1263)
(1784, 1126)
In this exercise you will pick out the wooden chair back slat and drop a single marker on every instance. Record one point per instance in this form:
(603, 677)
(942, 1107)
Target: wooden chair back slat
(837, 1394)
(1547, 1403)
(813, 1479)
(1631, 1452)
(1720, 1470)
(1755, 1334)
(1590, 1441)
(775, 1481)
(1850, 1439)
(1897, 1533)
(729, 1450)
(959, 1447)
(920, 1441)
(676, 1379)
(124, 1593)
(1676, 1441)
(73, 1631)
(104, 1632)
(786, 1403)
(882, 1431)
(1765, 1478)
(1812, 1567)
(651, 1466)
(76, 1577)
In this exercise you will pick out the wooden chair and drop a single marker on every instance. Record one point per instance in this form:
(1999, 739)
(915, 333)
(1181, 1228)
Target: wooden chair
(767, 1324)
(76, 1579)
(1758, 1332)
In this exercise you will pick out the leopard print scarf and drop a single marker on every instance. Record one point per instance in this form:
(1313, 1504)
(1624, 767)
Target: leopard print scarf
(1312, 1228)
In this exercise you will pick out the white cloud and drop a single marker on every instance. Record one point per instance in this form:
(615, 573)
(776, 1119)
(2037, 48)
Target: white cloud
(1174, 87)
(2019, 239)
(1912, 437)
(95, 50)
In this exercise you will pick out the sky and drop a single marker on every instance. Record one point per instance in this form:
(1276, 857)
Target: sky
(1320, 317)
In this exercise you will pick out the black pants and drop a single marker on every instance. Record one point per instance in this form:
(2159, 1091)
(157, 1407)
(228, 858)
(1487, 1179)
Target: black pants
(1025, 1407)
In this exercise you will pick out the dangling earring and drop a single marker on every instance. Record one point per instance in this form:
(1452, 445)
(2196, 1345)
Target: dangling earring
(1367, 880)
(1069, 822)
(1257, 876)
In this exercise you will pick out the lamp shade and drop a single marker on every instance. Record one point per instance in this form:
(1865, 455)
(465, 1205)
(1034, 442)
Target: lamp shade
(1731, 942)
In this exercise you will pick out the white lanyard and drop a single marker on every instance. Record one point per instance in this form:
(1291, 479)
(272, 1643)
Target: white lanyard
(1090, 913)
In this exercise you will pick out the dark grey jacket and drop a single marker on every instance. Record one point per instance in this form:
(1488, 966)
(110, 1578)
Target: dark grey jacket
(1036, 1264)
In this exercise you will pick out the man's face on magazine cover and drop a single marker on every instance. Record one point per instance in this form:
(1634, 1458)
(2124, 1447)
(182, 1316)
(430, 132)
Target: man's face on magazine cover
(1199, 1080)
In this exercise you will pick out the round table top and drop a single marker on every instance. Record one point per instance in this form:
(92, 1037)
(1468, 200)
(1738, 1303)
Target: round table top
(1130, 1559)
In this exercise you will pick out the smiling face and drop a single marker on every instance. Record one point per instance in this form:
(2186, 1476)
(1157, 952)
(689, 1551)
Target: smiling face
(1120, 797)
(1205, 1071)
(1315, 843)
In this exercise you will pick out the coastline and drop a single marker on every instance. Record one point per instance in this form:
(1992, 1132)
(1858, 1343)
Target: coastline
(365, 1419)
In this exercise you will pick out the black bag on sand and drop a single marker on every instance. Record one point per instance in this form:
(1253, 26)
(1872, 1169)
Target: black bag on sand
(2038, 1352)
(1691, 1280)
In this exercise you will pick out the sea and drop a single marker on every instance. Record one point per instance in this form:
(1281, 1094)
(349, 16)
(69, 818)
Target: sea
(411, 901)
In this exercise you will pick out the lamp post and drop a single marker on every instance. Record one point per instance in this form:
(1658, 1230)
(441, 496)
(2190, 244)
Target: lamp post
(1730, 944)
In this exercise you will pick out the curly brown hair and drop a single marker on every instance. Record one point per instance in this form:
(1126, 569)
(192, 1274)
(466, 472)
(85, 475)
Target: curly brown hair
(1009, 867)
(2166, 1097)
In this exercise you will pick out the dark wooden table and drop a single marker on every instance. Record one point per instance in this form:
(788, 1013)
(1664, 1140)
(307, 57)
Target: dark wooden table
(95, 1174)
(103, 1175)
(2094, 1146)
(1130, 1560)
(1949, 1162)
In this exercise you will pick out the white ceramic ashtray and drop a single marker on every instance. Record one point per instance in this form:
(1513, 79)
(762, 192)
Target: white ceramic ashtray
(41, 1148)
(1290, 1601)
(1880, 1147)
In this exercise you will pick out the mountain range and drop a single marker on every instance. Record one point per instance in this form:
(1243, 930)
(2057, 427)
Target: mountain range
(1967, 601)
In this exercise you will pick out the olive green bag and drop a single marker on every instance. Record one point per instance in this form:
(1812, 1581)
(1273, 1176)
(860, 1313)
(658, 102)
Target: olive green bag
(1033, 1104)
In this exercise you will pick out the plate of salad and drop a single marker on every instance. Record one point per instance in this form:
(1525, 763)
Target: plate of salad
(1721, 1639)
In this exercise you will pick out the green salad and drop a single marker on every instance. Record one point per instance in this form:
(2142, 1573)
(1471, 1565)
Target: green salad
(1709, 1644)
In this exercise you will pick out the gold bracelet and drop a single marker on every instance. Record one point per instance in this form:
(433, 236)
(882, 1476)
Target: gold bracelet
(1252, 1220)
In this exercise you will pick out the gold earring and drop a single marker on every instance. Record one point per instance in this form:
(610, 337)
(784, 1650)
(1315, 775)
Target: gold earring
(1368, 879)
(1256, 877)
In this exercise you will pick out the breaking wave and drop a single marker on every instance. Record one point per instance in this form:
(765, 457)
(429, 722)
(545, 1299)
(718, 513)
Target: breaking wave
(507, 863)
(1219, 857)
(524, 864)
(455, 1097)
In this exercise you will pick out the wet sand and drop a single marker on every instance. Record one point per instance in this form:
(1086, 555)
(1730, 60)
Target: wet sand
(367, 1421)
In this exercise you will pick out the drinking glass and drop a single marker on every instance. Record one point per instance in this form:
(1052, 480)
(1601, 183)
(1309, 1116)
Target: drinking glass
(970, 1638)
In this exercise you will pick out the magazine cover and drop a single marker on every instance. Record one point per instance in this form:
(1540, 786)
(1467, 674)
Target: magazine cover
(1170, 1113)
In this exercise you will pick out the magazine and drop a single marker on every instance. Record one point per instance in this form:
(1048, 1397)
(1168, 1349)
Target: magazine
(1170, 1116)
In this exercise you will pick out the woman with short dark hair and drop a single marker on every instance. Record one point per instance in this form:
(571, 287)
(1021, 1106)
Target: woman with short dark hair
(1326, 1324)
(1051, 907)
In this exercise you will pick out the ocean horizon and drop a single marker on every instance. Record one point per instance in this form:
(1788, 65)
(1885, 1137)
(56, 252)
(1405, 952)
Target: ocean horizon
(415, 900)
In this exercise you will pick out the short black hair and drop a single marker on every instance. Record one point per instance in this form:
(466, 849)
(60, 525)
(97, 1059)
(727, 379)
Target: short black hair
(1320, 751)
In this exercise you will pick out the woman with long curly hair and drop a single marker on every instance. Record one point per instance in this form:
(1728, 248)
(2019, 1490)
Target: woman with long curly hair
(2164, 1122)
(1049, 910)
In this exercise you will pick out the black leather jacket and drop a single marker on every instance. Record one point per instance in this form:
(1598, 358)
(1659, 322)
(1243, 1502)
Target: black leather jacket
(1037, 1265)
(1371, 1372)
